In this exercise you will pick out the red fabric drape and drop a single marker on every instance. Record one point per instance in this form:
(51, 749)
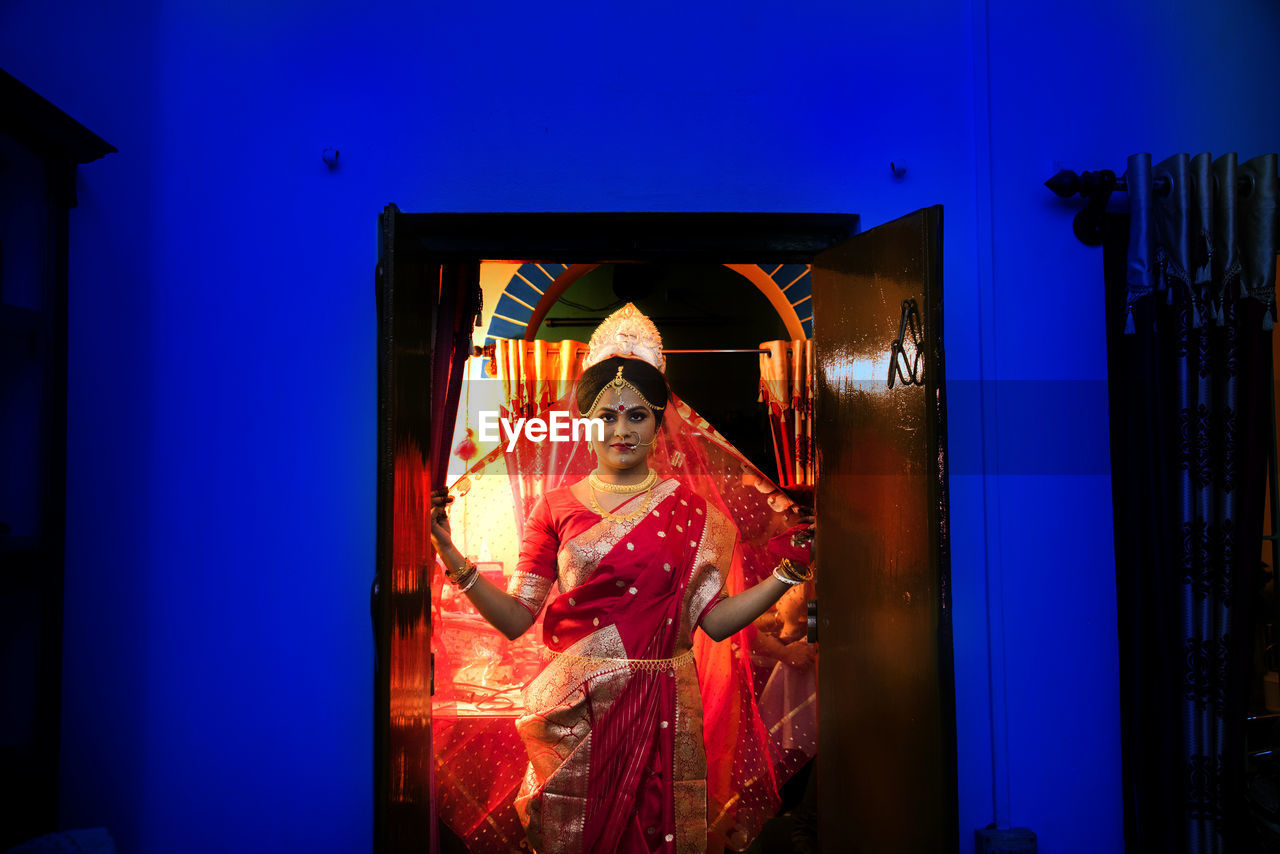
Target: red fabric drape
(457, 305)
(785, 369)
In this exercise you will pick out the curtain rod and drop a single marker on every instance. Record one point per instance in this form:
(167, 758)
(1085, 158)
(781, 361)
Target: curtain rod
(487, 350)
(726, 350)
(1097, 187)
(1066, 183)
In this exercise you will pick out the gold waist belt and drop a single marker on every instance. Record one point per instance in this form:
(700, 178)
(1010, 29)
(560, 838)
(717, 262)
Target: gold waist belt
(650, 664)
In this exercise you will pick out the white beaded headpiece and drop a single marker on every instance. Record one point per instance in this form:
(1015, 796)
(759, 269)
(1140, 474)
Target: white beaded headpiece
(628, 333)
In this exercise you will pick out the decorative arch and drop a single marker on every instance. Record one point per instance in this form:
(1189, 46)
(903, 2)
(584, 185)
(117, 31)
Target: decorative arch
(534, 288)
(788, 289)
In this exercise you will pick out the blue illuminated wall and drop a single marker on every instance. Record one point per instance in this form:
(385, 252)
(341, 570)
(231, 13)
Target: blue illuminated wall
(218, 656)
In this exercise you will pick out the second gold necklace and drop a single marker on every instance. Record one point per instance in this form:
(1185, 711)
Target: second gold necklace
(619, 517)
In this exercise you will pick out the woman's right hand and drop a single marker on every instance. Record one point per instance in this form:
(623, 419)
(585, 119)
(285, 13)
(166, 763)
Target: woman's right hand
(441, 534)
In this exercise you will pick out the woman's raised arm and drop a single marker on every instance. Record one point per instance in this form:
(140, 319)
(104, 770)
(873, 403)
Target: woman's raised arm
(500, 610)
(735, 613)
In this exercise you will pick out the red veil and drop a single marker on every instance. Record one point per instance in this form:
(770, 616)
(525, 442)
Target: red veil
(759, 728)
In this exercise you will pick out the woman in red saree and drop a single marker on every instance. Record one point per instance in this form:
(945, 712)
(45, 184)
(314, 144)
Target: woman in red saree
(613, 724)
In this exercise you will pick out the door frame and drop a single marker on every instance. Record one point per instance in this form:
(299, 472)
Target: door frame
(410, 243)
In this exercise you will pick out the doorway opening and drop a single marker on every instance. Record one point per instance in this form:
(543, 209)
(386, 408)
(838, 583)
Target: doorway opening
(721, 333)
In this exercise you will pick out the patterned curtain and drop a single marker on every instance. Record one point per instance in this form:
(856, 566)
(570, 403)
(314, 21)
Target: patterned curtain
(1190, 277)
(785, 369)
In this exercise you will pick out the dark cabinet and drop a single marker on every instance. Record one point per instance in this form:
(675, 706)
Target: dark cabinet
(40, 148)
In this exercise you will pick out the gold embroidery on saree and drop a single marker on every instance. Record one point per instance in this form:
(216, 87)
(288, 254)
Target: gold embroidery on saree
(710, 563)
(530, 588)
(564, 815)
(690, 816)
(689, 760)
(561, 701)
(708, 586)
(565, 674)
(689, 754)
(580, 556)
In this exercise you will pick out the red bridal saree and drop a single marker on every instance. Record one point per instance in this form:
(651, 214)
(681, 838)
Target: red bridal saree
(613, 724)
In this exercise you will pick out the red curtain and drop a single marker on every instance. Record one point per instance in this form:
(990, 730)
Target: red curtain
(457, 309)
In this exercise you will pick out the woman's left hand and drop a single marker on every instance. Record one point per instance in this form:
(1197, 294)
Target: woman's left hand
(808, 519)
(438, 518)
(796, 543)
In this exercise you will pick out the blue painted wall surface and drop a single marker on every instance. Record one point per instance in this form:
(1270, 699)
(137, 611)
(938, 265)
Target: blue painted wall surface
(221, 439)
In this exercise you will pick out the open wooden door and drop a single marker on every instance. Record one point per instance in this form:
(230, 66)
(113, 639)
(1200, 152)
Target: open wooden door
(425, 311)
(886, 691)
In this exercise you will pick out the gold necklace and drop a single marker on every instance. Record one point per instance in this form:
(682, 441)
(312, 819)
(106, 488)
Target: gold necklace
(622, 488)
(618, 517)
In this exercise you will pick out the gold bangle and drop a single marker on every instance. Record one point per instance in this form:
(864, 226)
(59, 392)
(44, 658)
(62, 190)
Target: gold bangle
(463, 573)
(470, 581)
(792, 572)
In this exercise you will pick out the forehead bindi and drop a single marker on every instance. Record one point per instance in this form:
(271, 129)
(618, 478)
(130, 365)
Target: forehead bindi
(624, 402)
